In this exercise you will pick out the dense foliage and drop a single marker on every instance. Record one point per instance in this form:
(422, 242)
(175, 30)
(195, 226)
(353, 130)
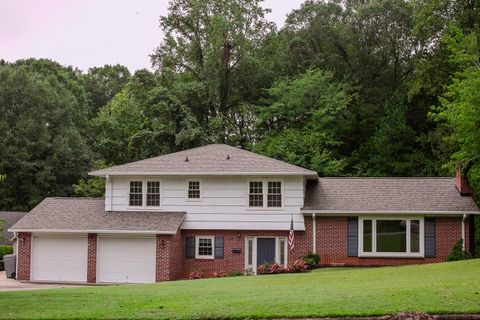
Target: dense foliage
(374, 88)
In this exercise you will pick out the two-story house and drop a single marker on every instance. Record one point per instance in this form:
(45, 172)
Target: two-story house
(218, 208)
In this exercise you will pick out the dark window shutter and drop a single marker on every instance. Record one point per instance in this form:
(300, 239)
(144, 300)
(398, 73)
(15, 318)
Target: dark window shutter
(218, 247)
(190, 247)
(430, 246)
(352, 237)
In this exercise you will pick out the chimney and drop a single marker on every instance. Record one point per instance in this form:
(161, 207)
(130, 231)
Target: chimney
(461, 183)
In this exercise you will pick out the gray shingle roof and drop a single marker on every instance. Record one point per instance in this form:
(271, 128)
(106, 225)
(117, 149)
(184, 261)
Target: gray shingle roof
(210, 159)
(10, 218)
(386, 194)
(89, 215)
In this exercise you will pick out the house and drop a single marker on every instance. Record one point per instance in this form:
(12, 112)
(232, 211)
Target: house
(9, 218)
(218, 208)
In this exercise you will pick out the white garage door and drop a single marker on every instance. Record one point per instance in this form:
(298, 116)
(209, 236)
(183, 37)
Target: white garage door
(59, 258)
(126, 260)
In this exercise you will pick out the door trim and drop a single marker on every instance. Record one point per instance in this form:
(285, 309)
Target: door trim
(253, 267)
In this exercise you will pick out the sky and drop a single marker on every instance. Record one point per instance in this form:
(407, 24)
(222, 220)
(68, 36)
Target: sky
(88, 33)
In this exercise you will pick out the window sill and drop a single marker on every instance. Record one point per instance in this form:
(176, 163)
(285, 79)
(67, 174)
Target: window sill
(392, 255)
(204, 258)
(142, 208)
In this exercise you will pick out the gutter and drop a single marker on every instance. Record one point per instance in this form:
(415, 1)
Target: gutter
(183, 173)
(94, 231)
(464, 218)
(367, 212)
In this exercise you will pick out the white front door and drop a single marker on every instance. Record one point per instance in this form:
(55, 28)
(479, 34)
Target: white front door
(59, 258)
(126, 260)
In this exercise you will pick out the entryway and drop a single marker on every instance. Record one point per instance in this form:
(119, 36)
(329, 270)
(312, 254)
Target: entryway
(261, 250)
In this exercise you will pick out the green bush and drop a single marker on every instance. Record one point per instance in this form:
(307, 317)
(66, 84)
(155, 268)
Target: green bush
(458, 253)
(312, 260)
(3, 251)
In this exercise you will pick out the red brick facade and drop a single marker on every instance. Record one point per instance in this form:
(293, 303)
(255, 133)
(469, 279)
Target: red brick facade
(92, 258)
(24, 247)
(331, 245)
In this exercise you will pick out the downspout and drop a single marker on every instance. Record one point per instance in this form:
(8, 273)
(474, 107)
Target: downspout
(464, 218)
(314, 232)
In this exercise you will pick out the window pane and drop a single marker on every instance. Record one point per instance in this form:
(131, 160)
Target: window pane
(250, 252)
(136, 195)
(153, 193)
(282, 251)
(391, 236)
(255, 197)
(256, 187)
(367, 235)
(194, 189)
(274, 197)
(415, 236)
(205, 247)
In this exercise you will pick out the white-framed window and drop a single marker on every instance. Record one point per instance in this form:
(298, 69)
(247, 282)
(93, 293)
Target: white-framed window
(204, 247)
(144, 193)
(194, 190)
(135, 198)
(391, 236)
(265, 194)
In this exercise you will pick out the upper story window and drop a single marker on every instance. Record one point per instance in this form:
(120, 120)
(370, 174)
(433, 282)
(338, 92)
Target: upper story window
(153, 193)
(255, 196)
(265, 194)
(144, 194)
(194, 190)
(136, 194)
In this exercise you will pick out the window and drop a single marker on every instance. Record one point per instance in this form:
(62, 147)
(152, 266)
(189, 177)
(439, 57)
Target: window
(136, 194)
(153, 193)
(144, 194)
(391, 237)
(255, 197)
(274, 196)
(265, 194)
(204, 247)
(193, 190)
(249, 252)
(282, 251)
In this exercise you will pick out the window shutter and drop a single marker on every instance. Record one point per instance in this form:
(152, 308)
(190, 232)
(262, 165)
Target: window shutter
(430, 245)
(352, 237)
(218, 247)
(190, 247)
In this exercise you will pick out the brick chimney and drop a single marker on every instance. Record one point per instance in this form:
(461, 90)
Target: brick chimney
(461, 183)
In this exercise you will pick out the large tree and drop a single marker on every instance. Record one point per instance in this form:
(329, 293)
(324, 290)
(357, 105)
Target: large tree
(42, 115)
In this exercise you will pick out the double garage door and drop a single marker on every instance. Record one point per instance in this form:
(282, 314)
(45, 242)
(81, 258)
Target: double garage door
(119, 260)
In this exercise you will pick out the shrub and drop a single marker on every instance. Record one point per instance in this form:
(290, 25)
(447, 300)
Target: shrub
(194, 275)
(312, 260)
(297, 266)
(3, 251)
(457, 252)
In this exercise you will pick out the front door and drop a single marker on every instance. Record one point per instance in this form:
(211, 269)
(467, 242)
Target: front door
(265, 250)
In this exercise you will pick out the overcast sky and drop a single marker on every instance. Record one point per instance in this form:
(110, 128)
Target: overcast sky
(87, 33)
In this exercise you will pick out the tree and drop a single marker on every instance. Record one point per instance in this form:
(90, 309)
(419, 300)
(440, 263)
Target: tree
(103, 83)
(391, 150)
(41, 120)
(209, 50)
(304, 120)
(91, 186)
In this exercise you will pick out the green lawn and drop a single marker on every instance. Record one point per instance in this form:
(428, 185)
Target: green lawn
(452, 287)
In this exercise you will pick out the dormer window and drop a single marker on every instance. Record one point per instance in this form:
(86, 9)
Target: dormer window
(136, 194)
(144, 194)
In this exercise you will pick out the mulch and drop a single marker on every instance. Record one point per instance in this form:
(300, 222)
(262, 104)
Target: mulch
(407, 316)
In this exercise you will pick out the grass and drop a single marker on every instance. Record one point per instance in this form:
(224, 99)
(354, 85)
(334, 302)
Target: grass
(444, 288)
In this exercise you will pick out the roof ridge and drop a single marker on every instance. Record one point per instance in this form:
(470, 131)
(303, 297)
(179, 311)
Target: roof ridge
(76, 198)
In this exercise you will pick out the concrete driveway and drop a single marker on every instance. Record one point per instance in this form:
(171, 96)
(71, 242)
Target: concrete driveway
(14, 285)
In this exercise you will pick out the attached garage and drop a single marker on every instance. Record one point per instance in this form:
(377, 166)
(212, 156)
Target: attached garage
(126, 259)
(59, 258)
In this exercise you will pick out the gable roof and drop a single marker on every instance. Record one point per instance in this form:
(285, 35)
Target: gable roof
(83, 215)
(10, 218)
(213, 159)
(386, 195)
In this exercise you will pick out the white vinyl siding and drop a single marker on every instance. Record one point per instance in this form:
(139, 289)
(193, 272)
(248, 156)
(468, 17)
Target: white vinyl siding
(223, 205)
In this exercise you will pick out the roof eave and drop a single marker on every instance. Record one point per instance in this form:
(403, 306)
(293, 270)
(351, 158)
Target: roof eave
(170, 232)
(308, 174)
(370, 212)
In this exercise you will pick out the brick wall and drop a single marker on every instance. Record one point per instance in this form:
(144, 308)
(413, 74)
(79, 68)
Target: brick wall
(24, 243)
(331, 242)
(235, 262)
(92, 258)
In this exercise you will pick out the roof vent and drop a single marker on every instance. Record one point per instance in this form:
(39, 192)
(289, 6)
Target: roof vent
(186, 159)
(228, 157)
